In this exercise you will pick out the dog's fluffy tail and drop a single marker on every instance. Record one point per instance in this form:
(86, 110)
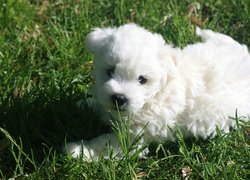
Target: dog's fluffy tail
(209, 35)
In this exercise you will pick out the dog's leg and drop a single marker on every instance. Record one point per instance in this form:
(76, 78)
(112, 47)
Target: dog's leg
(101, 145)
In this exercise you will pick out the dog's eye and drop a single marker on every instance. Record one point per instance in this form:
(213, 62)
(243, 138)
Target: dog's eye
(110, 72)
(142, 79)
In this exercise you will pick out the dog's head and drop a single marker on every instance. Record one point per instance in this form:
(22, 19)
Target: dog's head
(130, 66)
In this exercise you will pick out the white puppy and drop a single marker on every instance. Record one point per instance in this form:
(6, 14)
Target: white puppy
(194, 89)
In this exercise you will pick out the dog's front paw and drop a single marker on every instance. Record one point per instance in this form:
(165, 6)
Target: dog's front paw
(91, 150)
(80, 149)
(106, 145)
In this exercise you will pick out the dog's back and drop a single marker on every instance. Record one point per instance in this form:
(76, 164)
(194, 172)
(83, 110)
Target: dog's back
(222, 66)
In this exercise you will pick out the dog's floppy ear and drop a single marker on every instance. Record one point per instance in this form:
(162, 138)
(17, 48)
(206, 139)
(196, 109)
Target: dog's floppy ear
(98, 38)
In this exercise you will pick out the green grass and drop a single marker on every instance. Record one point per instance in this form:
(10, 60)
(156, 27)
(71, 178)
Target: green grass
(45, 70)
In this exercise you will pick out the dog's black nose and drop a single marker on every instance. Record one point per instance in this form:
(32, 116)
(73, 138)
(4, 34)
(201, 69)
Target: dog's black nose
(119, 99)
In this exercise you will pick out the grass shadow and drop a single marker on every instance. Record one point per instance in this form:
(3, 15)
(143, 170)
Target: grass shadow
(38, 127)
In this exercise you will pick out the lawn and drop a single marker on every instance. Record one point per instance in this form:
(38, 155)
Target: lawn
(45, 70)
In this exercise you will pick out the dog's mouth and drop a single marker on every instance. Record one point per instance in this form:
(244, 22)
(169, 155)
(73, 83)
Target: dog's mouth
(119, 108)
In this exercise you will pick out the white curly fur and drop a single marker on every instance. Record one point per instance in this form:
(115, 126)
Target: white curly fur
(194, 89)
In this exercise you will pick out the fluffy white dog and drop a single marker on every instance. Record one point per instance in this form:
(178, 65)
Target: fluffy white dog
(194, 89)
